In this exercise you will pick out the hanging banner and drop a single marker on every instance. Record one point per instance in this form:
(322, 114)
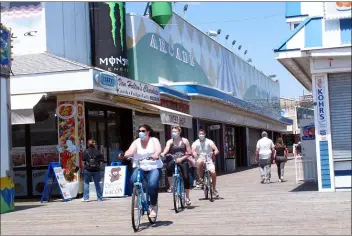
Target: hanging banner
(108, 29)
(321, 101)
(169, 118)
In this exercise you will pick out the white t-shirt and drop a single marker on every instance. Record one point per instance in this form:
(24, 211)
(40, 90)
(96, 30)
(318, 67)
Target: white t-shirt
(149, 151)
(203, 148)
(265, 146)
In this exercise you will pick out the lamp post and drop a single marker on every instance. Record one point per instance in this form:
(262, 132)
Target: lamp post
(244, 54)
(226, 38)
(184, 10)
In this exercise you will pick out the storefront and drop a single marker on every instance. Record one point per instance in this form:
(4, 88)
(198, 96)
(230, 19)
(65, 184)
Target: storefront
(322, 42)
(51, 124)
(229, 123)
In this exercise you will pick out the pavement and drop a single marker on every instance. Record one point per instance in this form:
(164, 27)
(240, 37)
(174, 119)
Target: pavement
(245, 207)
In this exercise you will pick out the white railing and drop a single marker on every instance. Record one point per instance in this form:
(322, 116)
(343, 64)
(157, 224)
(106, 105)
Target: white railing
(306, 169)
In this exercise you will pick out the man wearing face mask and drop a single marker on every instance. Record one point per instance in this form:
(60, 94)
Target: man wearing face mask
(201, 147)
(92, 160)
(179, 146)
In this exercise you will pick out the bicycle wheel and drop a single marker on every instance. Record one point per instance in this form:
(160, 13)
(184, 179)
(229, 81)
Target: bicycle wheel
(137, 208)
(210, 187)
(152, 220)
(205, 185)
(182, 194)
(175, 194)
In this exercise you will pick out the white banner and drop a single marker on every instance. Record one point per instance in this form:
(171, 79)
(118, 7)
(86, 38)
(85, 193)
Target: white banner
(169, 118)
(118, 85)
(322, 112)
(114, 181)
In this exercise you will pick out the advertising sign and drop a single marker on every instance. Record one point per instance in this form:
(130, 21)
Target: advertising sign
(321, 107)
(43, 155)
(119, 85)
(19, 156)
(38, 181)
(114, 181)
(169, 118)
(308, 132)
(109, 36)
(20, 180)
(337, 10)
(55, 174)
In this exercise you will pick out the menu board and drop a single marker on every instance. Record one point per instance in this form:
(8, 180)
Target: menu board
(38, 182)
(20, 180)
(62, 182)
(43, 155)
(19, 157)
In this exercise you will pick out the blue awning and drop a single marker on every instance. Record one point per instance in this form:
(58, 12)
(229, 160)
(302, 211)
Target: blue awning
(198, 90)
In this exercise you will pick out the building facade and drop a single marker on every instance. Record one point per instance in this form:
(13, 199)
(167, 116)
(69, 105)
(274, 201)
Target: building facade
(78, 75)
(230, 99)
(318, 54)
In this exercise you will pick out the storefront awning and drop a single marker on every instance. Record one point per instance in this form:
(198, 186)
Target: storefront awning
(22, 108)
(172, 117)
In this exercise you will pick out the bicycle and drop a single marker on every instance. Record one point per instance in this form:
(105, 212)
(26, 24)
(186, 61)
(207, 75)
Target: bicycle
(207, 180)
(140, 200)
(178, 187)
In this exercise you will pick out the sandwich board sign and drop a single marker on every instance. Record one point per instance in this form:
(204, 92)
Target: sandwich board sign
(115, 181)
(55, 174)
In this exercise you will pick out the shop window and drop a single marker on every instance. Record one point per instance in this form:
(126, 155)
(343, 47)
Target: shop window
(43, 134)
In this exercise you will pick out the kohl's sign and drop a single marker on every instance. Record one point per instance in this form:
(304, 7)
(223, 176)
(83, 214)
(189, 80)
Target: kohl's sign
(321, 106)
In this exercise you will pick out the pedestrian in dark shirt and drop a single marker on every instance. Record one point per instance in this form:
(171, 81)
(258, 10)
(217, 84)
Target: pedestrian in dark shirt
(92, 160)
(280, 158)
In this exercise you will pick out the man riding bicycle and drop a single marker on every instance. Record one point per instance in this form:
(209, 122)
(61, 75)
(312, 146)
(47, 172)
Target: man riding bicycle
(200, 148)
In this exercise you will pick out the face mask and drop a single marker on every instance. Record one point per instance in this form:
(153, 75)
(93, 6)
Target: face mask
(201, 136)
(174, 134)
(141, 135)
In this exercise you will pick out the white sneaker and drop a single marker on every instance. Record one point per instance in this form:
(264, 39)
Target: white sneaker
(280, 180)
(85, 200)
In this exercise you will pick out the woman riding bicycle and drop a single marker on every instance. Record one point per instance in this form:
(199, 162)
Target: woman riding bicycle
(143, 147)
(179, 146)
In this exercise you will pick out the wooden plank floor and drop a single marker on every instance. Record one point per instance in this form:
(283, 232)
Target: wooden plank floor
(245, 207)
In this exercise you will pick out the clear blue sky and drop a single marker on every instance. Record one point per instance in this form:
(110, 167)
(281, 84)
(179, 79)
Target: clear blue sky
(245, 23)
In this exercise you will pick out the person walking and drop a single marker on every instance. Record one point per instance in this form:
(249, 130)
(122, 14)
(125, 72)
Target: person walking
(92, 160)
(264, 152)
(280, 158)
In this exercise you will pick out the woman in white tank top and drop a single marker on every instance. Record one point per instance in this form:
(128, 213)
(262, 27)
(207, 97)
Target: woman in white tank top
(143, 147)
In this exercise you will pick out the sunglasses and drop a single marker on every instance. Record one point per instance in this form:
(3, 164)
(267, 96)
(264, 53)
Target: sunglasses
(143, 131)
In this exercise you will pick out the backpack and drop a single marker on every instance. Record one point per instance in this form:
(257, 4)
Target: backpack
(93, 164)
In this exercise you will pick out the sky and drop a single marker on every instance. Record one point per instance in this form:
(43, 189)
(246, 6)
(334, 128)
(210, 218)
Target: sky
(258, 26)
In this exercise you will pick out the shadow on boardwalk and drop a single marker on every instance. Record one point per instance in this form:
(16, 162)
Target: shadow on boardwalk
(306, 187)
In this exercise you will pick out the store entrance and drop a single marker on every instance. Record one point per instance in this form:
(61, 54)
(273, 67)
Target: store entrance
(214, 133)
(111, 127)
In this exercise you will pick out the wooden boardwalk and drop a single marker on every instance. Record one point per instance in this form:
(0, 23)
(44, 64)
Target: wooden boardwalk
(245, 207)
